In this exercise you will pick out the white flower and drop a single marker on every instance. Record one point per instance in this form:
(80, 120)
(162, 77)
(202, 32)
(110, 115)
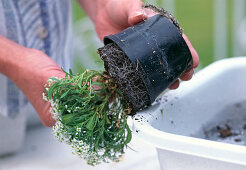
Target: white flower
(45, 97)
(62, 134)
(78, 129)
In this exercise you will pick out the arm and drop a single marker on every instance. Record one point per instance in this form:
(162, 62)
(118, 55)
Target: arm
(29, 69)
(8, 56)
(90, 7)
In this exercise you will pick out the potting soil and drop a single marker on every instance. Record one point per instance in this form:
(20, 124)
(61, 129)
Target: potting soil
(119, 67)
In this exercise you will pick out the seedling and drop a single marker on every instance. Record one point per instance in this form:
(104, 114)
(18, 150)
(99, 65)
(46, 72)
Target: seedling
(90, 114)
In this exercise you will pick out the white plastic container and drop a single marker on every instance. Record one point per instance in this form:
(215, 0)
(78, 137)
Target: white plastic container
(12, 133)
(175, 124)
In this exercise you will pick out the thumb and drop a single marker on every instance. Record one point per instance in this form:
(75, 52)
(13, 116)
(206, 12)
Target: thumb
(136, 13)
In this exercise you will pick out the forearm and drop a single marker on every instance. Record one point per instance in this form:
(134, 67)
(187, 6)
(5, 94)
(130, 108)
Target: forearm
(90, 7)
(29, 69)
(11, 56)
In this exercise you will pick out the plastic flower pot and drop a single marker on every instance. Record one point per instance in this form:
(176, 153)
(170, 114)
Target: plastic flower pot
(157, 50)
(180, 123)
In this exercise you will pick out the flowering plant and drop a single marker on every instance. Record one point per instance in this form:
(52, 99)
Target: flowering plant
(90, 114)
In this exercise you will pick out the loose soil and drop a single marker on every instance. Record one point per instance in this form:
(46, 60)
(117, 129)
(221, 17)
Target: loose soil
(229, 126)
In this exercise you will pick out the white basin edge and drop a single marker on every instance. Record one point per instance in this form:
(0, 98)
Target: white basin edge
(191, 145)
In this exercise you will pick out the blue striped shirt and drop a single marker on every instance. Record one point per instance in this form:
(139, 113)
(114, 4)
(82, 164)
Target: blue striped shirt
(41, 24)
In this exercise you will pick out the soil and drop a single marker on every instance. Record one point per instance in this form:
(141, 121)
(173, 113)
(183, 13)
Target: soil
(229, 126)
(237, 140)
(225, 132)
(228, 133)
(163, 12)
(119, 67)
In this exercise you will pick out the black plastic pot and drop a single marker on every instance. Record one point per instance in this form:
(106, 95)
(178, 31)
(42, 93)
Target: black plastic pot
(158, 51)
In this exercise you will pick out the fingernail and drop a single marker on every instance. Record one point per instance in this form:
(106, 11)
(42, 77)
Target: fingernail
(138, 14)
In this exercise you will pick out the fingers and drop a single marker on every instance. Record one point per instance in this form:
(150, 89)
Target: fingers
(49, 122)
(136, 18)
(175, 85)
(137, 13)
(194, 54)
(187, 75)
(46, 117)
(148, 13)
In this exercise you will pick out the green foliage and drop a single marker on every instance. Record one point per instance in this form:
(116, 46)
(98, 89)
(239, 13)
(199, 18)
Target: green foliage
(91, 115)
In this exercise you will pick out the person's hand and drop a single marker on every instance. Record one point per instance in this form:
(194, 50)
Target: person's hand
(189, 73)
(36, 69)
(29, 69)
(113, 16)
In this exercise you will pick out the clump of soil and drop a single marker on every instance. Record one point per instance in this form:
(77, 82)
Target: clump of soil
(238, 140)
(230, 132)
(244, 127)
(119, 67)
(225, 132)
(227, 126)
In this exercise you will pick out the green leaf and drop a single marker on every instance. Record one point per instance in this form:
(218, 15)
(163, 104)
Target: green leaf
(65, 94)
(54, 79)
(70, 72)
(107, 120)
(66, 118)
(91, 123)
(80, 81)
(65, 72)
(50, 92)
(129, 135)
(97, 83)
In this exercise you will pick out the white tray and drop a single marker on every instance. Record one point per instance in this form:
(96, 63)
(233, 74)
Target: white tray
(183, 113)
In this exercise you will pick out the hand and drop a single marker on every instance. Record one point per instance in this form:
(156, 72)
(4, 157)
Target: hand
(29, 69)
(34, 72)
(113, 16)
(189, 73)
